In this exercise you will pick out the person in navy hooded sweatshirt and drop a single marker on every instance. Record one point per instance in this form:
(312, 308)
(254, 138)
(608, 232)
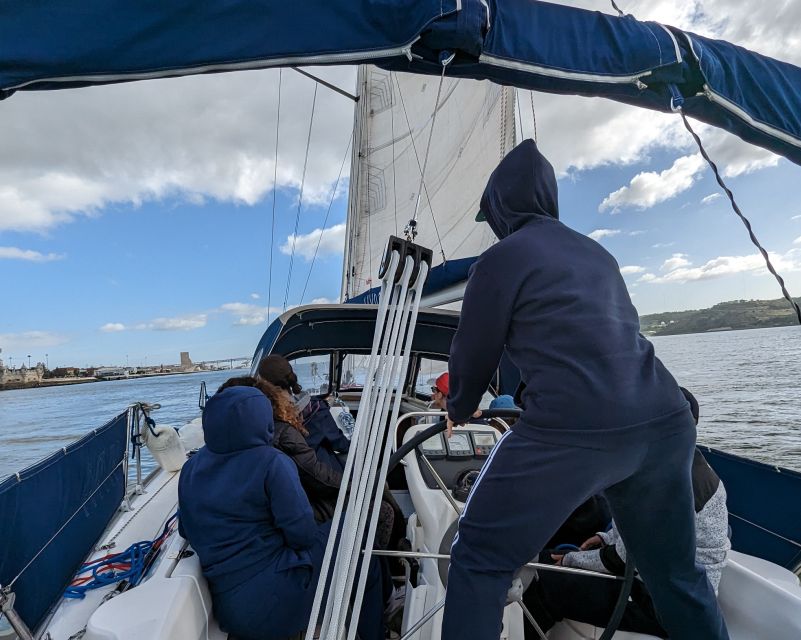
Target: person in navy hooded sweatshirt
(600, 414)
(245, 513)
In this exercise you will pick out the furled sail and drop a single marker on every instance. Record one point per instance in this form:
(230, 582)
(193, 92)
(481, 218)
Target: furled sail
(474, 129)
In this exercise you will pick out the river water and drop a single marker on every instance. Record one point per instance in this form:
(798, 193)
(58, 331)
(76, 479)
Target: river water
(747, 383)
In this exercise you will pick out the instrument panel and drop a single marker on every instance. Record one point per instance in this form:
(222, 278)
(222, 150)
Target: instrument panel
(466, 449)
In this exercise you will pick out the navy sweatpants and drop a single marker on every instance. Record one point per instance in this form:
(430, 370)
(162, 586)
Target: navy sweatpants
(527, 489)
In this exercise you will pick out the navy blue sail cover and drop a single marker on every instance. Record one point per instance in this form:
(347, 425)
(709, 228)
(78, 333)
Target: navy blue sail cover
(764, 507)
(441, 277)
(50, 44)
(36, 503)
(536, 45)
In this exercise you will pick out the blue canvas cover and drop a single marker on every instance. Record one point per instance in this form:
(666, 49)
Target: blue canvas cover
(50, 44)
(761, 499)
(535, 45)
(440, 277)
(752, 96)
(36, 503)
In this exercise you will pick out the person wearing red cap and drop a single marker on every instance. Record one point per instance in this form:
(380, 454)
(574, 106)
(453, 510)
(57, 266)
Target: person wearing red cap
(439, 392)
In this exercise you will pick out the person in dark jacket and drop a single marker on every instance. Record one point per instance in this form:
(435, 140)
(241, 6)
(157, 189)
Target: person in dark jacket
(244, 511)
(324, 436)
(601, 414)
(320, 480)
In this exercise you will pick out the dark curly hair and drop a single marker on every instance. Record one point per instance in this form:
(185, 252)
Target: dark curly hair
(283, 409)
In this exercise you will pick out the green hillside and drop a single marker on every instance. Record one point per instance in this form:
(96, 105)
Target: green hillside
(725, 316)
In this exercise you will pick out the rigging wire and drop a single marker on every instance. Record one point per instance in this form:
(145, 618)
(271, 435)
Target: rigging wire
(747, 224)
(275, 194)
(620, 13)
(413, 227)
(325, 220)
(300, 199)
(519, 114)
(419, 166)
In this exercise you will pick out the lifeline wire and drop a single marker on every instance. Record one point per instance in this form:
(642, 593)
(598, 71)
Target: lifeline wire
(275, 192)
(747, 224)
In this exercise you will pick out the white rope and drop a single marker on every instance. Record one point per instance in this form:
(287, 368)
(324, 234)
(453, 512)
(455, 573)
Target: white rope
(363, 479)
(381, 315)
(353, 528)
(365, 494)
(399, 376)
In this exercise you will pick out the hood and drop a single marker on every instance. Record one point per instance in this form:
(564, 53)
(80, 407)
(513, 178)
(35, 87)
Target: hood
(522, 186)
(238, 418)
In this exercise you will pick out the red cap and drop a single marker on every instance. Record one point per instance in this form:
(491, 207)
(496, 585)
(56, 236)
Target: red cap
(443, 383)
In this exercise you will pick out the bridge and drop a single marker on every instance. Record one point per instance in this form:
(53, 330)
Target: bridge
(239, 362)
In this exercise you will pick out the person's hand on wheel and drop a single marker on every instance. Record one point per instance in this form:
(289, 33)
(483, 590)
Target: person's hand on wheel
(452, 424)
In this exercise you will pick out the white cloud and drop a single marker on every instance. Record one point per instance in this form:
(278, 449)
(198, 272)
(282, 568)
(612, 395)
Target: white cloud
(30, 340)
(73, 152)
(14, 253)
(728, 265)
(332, 242)
(112, 327)
(649, 188)
(254, 296)
(662, 245)
(631, 269)
(772, 33)
(798, 217)
(677, 261)
(323, 301)
(179, 323)
(732, 154)
(797, 240)
(249, 314)
(710, 198)
(603, 233)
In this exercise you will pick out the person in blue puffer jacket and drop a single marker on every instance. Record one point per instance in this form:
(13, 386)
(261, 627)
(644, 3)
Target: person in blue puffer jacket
(245, 513)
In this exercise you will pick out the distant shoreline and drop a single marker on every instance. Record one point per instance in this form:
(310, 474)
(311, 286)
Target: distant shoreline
(65, 382)
(736, 315)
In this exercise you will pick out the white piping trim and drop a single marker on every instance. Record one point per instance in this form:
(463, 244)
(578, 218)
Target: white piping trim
(743, 115)
(739, 111)
(565, 75)
(486, 6)
(483, 471)
(675, 42)
(231, 66)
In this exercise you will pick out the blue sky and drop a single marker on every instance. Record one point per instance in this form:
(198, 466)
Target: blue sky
(135, 219)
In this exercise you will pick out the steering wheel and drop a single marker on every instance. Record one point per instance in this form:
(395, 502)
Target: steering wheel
(439, 427)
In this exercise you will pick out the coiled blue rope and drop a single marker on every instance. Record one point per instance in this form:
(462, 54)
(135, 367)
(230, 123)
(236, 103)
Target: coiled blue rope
(131, 565)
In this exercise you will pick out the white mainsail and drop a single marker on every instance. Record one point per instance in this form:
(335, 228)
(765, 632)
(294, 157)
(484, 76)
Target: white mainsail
(474, 129)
